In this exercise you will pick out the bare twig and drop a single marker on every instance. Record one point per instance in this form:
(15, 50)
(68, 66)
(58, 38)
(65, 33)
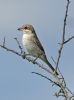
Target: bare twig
(4, 42)
(62, 77)
(46, 78)
(53, 60)
(70, 91)
(30, 59)
(63, 85)
(21, 49)
(15, 52)
(66, 41)
(63, 35)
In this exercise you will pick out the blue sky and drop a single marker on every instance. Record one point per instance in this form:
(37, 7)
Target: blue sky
(16, 80)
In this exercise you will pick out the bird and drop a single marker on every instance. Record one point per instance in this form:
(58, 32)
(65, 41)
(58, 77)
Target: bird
(33, 45)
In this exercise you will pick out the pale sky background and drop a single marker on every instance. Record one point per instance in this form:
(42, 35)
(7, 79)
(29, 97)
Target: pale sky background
(16, 80)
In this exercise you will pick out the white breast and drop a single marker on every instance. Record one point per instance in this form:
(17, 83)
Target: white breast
(27, 41)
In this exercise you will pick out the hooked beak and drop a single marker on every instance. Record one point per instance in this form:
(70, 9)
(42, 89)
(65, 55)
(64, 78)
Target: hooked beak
(20, 29)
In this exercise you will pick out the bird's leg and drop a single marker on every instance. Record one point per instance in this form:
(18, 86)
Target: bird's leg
(24, 55)
(37, 57)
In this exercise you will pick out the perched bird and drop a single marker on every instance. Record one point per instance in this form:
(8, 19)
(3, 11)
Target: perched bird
(33, 45)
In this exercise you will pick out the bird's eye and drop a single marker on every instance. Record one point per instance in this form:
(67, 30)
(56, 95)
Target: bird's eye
(26, 27)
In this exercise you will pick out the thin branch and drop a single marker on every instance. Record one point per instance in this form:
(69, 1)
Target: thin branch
(62, 77)
(53, 60)
(21, 49)
(46, 78)
(4, 42)
(59, 93)
(63, 35)
(70, 91)
(30, 59)
(10, 50)
(68, 39)
(62, 91)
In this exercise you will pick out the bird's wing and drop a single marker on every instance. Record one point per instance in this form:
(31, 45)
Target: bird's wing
(37, 42)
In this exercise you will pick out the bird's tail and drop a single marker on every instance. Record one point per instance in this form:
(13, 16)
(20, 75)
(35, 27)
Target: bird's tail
(44, 58)
(52, 68)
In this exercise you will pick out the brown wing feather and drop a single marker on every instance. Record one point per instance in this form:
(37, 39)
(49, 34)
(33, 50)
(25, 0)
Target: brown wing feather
(37, 42)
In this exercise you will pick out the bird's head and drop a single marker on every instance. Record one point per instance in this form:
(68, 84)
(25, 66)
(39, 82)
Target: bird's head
(27, 29)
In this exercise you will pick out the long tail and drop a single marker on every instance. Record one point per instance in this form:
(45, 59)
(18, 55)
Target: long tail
(52, 68)
(44, 58)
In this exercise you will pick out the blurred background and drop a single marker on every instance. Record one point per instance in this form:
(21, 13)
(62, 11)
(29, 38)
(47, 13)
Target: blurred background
(16, 80)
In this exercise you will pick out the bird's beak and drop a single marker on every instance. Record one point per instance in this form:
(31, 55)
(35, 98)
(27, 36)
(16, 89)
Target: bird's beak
(20, 29)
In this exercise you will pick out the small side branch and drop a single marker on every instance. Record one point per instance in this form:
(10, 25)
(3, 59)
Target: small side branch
(69, 40)
(54, 83)
(21, 49)
(4, 42)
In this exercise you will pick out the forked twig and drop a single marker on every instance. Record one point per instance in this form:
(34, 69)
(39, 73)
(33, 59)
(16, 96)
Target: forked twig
(66, 41)
(21, 49)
